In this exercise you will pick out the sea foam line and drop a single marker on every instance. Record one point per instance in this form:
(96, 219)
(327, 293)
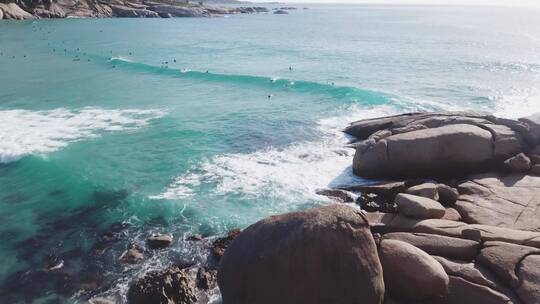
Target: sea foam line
(288, 173)
(25, 132)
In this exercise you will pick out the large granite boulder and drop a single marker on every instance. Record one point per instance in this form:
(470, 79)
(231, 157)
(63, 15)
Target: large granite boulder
(322, 255)
(410, 273)
(434, 144)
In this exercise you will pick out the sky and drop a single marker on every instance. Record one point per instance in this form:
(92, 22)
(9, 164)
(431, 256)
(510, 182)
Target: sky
(525, 3)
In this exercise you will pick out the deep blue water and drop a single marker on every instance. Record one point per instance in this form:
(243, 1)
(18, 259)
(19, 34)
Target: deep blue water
(166, 125)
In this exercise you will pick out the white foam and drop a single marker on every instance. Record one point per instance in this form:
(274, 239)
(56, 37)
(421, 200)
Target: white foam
(517, 103)
(297, 170)
(24, 132)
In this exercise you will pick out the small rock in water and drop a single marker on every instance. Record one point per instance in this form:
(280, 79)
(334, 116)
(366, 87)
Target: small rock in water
(220, 245)
(133, 255)
(338, 194)
(158, 241)
(195, 238)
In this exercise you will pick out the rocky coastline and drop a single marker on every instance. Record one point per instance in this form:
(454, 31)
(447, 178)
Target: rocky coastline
(451, 216)
(38, 9)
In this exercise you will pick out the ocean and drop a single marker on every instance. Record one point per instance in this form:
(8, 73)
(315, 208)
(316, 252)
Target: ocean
(201, 125)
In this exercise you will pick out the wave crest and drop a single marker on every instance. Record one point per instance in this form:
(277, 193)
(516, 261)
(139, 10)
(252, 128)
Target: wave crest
(24, 132)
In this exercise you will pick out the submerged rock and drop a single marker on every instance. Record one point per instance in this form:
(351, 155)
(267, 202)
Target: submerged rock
(133, 255)
(206, 278)
(324, 253)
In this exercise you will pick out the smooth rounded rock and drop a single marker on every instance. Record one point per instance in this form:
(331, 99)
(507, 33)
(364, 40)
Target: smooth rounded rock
(419, 207)
(410, 273)
(429, 190)
(322, 255)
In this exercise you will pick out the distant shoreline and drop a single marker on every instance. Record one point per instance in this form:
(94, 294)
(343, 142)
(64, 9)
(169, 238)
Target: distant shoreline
(31, 9)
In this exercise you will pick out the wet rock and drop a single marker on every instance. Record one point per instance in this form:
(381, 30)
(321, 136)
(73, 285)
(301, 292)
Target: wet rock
(132, 255)
(195, 238)
(206, 278)
(281, 12)
(372, 203)
(337, 194)
(410, 273)
(447, 195)
(433, 244)
(220, 245)
(518, 163)
(286, 259)
(429, 190)
(170, 286)
(386, 191)
(159, 241)
(419, 207)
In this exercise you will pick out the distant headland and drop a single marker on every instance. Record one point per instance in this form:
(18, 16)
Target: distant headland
(36, 9)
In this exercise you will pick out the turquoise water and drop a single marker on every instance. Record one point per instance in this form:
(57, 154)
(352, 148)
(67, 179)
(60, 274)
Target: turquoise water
(166, 125)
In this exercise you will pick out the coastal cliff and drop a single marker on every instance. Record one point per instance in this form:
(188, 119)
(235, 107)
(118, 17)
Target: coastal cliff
(35, 9)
